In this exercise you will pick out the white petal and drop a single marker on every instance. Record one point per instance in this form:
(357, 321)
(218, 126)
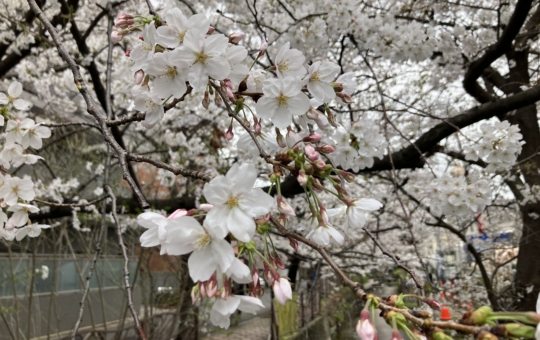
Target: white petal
(242, 177)
(216, 221)
(266, 107)
(368, 204)
(15, 89)
(218, 68)
(256, 202)
(241, 225)
(249, 304)
(218, 190)
(201, 265)
(223, 253)
(299, 104)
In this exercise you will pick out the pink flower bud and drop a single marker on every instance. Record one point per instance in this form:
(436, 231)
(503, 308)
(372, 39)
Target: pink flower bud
(206, 100)
(211, 30)
(338, 87)
(236, 37)
(218, 100)
(257, 125)
(317, 185)
(228, 83)
(211, 286)
(345, 97)
(396, 335)
(282, 290)
(433, 304)
(292, 138)
(124, 16)
(346, 175)
(128, 53)
(365, 328)
(325, 148)
(116, 37)
(229, 134)
(320, 164)
(313, 138)
(268, 275)
(206, 207)
(139, 77)
(311, 153)
(280, 140)
(302, 178)
(294, 244)
(262, 49)
(256, 275)
(177, 213)
(284, 207)
(124, 23)
(202, 289)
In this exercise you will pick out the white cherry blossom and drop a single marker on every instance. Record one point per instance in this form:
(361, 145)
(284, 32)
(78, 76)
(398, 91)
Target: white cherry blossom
(204, 58)
(14, 188)
(235, 55)
(170, 72)
(318, 79)
(178, 25)
(146, 47)
(222, 309)
(236, 202)
(356, 212)
(150, 103)
(14, 92)
(290, 62)
(33, 134)
(283, 99)
(20, 213)
(32, 230)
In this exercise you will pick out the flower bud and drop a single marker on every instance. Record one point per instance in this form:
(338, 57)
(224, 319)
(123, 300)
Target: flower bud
(313, 138)
(206, 100)
(218, 100)
(345, 97)
(284, 207)
(396, 335)
(294, 244)
(282, 290)
(195, 294)
(346, 175)
(280, 140)
(139, 77)
(128, 53)
(262, 49)
(292, 138)
(338, 87)
(320, 164)
(477, 318)
(317, 185)
(432, 303)
(211, 286)
(302, 178)
(211, 30)
(116, 37)
(124, 16)
(311, 153)
(229, 134)
(485, 335)
(236, 37)
(365, 328)
(517, 330)
(325, 148)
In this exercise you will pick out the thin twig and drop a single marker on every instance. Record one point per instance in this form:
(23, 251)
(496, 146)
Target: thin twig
(74, 205)
(177, 171)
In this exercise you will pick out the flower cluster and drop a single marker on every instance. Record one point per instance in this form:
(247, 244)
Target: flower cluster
(16, 192)
(497, 144)
(233, 204)
(459, 196)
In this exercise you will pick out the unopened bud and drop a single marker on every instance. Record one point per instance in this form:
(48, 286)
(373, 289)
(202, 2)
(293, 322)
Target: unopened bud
(294, 244)
(116, 37)
(218, 100)
(229, 134)
(346, 175)
(338, 87)
(139, 77)
(302, 178)
(257, 125)
(313, 138)
(236, 37)
(485, 335)
(311, 153)
(177, 213)
(292, 138)
(325, 148)
(284, 207)
(319, 164)
(206, 207)
(206, 100)
(317, 185)
(195, 294)
(345, 97)
(211, 30)
(365, 328)
(432, 303)
(262, 49)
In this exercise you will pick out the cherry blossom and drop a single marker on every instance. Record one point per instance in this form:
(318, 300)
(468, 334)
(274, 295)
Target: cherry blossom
(34, 133)
(324, 235)
(290, 62)
(20, 213)
(236, 202)
(204, 58)
(170, 74)
(222, 309)
(283, 99)
(356, 211)
(14, 92)
(14, 188)
(282, 290)
(318, 78)
(146, 47)
(32, 230)
(172, 35)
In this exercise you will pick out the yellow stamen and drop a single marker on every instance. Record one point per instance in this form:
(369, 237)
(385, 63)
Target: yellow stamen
(232, 202)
